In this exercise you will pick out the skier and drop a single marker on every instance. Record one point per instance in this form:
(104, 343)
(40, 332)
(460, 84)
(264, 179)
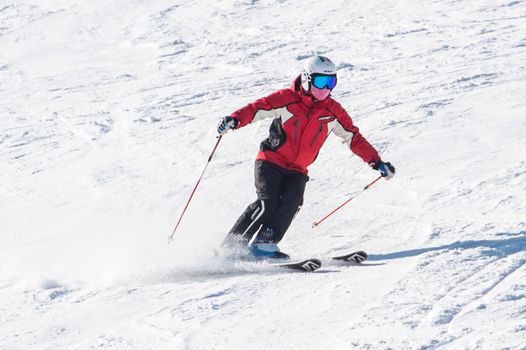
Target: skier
(303, 116)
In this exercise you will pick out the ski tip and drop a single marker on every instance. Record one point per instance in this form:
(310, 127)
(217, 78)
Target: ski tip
(355, 257)
(308, 265)
(318, 261)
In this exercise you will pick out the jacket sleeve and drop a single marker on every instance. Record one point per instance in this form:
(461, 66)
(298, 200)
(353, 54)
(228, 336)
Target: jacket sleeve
(350, 134)
(271, 106)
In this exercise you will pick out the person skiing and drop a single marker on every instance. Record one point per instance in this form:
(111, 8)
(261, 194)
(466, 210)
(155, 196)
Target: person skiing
(303, 116)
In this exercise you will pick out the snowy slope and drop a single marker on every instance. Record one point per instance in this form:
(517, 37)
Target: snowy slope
(108, 111)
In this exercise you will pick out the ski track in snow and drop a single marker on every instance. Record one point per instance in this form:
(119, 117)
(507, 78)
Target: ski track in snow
(108, 114)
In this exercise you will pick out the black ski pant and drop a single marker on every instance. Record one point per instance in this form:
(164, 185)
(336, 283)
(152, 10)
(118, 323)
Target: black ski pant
(279, 198)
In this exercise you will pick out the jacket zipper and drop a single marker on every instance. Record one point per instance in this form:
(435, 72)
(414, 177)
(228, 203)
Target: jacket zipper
(316, 135)
(308, 117)
(309, 113)
(296, 125)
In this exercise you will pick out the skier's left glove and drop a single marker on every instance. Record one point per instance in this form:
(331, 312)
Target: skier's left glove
(385, 168)
(225, 124)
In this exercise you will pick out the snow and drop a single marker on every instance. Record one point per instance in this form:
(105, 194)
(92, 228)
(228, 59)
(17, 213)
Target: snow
(108, 113)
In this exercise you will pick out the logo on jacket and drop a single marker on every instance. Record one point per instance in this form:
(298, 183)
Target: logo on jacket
(324, 118)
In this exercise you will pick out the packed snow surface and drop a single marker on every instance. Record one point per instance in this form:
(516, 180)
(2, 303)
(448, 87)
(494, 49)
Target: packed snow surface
(108, 112)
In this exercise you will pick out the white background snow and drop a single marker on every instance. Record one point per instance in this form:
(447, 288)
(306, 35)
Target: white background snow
(107, 117)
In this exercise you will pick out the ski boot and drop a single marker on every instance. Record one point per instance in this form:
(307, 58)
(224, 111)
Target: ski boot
(268, 250)
(264, 247)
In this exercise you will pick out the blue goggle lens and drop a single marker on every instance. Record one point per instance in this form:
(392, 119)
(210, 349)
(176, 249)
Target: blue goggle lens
(322, 81)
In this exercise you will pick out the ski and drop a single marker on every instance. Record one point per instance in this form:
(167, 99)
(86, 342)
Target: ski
(309, 265)
(355, 257)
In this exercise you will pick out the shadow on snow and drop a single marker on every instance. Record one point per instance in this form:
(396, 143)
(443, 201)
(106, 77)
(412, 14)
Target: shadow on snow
(514, 243)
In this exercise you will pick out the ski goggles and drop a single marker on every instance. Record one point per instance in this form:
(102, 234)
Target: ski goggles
(322, 81)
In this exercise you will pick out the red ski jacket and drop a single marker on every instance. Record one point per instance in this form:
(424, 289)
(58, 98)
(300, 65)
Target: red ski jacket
(300, 127)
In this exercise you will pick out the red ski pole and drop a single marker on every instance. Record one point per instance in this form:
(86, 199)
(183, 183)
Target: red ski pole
(195, 188)
(316, 223)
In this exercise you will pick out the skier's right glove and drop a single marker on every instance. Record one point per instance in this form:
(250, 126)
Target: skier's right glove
(225, 124)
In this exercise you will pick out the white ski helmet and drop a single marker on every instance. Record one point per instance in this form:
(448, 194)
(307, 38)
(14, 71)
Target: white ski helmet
(316, 65)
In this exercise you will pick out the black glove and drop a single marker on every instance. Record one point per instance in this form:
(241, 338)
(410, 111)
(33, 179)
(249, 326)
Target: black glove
(225, 124)
(385, 168)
